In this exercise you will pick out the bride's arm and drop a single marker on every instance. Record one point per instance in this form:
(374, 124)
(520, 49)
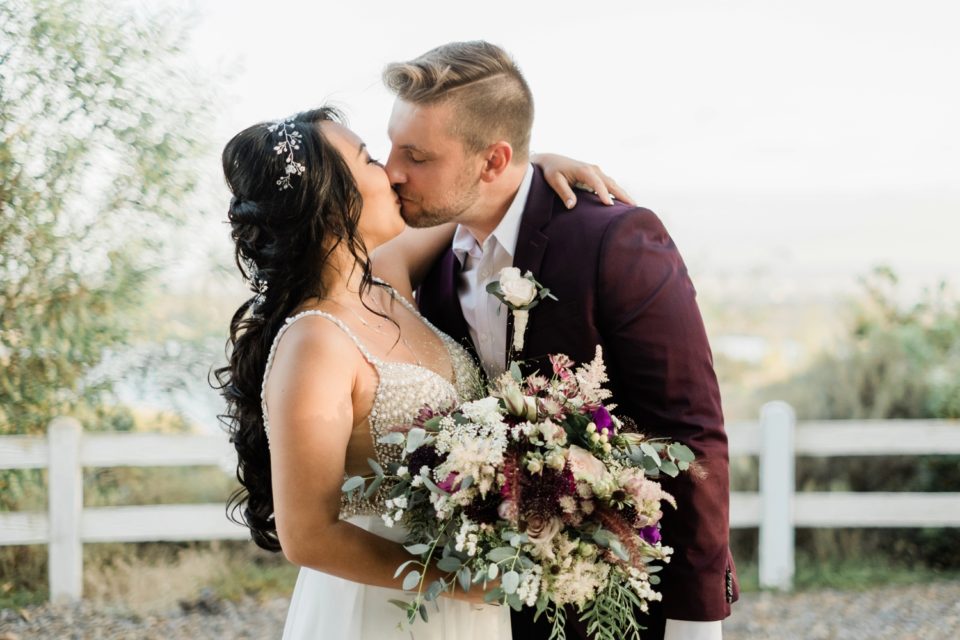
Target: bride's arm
(405, 260)
(310, 398)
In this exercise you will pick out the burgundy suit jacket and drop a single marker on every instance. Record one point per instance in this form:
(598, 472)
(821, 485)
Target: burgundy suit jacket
(621, 283)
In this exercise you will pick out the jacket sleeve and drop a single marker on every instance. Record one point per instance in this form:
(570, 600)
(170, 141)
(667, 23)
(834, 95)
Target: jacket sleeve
(660, 361)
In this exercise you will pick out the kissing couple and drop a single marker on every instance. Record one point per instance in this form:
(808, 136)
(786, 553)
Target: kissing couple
(370, 300)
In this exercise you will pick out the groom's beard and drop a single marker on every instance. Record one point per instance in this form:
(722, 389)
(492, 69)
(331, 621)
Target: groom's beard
(421, 214)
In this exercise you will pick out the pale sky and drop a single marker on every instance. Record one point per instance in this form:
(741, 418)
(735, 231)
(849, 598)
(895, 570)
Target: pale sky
(805, 140)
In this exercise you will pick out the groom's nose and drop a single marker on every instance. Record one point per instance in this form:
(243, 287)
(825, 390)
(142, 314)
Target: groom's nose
(394, 174)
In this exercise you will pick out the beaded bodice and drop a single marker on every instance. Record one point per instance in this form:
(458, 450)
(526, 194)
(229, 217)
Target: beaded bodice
(402, 390)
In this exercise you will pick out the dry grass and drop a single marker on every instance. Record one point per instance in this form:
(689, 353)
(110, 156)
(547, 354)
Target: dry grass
(157, 578)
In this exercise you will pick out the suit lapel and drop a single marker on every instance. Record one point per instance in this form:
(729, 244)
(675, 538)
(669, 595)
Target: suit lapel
(531, 241)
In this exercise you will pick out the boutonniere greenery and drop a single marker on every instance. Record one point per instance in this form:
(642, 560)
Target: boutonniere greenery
(519, 293)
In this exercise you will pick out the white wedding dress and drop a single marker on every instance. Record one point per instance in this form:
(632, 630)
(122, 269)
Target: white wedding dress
(325, 607)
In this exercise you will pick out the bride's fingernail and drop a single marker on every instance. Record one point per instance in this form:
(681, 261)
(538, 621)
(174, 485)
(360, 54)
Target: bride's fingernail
(569, 203)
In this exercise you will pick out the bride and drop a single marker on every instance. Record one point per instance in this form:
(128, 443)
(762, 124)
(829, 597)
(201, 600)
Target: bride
(323, 360)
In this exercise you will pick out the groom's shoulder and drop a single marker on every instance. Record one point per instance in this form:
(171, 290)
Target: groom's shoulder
(591, 218)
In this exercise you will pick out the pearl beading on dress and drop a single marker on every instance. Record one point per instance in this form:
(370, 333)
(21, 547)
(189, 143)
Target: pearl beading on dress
(402, 390)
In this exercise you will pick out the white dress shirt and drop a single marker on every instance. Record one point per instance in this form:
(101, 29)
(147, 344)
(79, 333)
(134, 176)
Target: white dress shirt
(487, 320)
(480, 265)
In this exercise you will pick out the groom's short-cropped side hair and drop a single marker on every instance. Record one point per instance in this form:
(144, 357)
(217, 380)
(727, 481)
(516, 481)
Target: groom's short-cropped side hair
(490, 97)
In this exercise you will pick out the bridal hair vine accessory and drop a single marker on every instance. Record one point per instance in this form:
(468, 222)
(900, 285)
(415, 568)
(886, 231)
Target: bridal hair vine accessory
(289, 141)
(257, 282)
(519, 293)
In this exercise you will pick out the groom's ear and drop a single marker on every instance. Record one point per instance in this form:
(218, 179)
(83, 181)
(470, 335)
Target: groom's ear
(496, 159)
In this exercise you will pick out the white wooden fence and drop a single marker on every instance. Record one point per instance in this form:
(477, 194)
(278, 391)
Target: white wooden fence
(67, 525)
(776, 509)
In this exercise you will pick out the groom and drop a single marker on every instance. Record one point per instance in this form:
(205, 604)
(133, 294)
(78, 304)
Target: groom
(460, 133)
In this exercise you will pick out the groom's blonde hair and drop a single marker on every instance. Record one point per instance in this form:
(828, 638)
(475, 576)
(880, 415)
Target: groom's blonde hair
(490, 98)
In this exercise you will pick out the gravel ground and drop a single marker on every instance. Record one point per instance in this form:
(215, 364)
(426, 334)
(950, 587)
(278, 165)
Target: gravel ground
(921, 612)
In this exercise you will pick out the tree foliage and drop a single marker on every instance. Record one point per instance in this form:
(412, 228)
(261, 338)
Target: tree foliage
(899, 360)
(100, 128)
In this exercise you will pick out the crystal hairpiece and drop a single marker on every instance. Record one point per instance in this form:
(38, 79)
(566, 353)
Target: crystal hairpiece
(257, 281)
(289, 142)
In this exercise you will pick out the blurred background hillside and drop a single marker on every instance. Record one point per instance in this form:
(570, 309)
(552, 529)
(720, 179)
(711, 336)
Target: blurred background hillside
(804, 156)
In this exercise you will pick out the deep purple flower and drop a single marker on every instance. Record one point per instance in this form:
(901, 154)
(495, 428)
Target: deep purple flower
(604, 421)
(651, 534)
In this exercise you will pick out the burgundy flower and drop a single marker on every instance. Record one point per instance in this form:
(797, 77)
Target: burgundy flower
(448, 483)
(425, 456)
(484, 510)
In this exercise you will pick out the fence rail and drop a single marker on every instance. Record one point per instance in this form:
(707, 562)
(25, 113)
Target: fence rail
(777, 509)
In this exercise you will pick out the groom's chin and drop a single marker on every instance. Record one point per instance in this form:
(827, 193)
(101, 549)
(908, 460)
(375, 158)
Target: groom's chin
(415, 217)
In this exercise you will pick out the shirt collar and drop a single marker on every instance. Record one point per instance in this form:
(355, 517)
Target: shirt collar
(506, 232)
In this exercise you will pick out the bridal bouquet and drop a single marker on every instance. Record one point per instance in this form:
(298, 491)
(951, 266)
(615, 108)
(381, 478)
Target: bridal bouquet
(537, 493)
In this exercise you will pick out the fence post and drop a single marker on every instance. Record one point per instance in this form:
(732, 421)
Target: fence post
(777, 486)
(65, 504)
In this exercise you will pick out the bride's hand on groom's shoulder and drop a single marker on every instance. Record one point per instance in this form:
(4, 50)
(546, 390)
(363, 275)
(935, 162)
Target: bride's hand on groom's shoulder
(561, 172)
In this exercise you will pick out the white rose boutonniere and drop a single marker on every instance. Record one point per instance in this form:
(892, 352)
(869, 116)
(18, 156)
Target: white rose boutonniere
(520, 293)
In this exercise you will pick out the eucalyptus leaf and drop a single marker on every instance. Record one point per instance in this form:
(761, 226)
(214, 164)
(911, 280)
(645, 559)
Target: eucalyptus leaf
(669, 468)
(411, 581)
(402, 567)
(449, 564)
(683, 465)
(494, 595)
(515, 372)
(542, 601)
(515, 602)
(415, 438)
(651, 465)
(617, 547)
(654, 579)
(501, 553)
(493, 571)
(466, 482)
(602, 537)
(352, 483)
(434, 590)
(423, 613)
(464, 577)
(681, 452)
(372, 489)
(418, 549)
(394, 437)
(377, 469)
(400, 603)
(432, 486)
(510, 581)
(648, 449)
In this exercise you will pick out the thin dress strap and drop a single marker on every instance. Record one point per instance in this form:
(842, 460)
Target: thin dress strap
(273, 350)
(406, 303)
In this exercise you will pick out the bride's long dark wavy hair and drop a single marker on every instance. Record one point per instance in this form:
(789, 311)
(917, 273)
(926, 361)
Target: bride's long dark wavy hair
(283, 238)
